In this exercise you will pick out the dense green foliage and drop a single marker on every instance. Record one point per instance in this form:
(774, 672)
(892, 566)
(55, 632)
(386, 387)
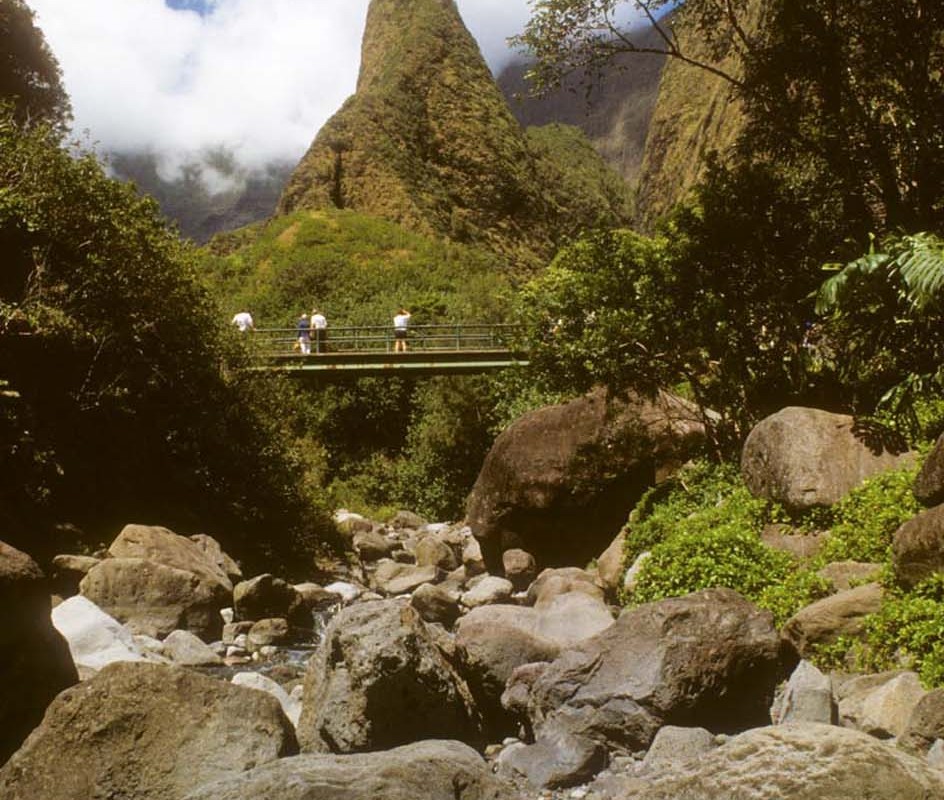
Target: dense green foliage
(385, 442)
(702, 529)
(115, 407)
(30, 79)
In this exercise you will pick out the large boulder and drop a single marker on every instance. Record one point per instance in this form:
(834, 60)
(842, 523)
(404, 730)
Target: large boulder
(35, 664)
(155, 582)
(202, 555)
(146, 732)
(799, 761)
(918, 547)
(494, 640)
(710, 659)
(266, 596)
(95, 639)
(378, 681)
(429, 770)
(154, 599)
(561, 480)
(840, 614)
(926, 724)
(929, 485)
(804, 457)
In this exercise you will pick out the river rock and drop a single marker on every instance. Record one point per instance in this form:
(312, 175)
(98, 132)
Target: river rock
(392, 578)
(214, 551)
(610, 568)
(187, 650)
(267, 632)
(436, 604)
(824, 621)
(155, 599)
(432, 552)
(373, 545)
(843, 575)
(804, 457)
(68, 571)
(799, 761)
(262, 683)
(926, 724)
(807, 697)
(146, 732)
(710, 659)
(163, 546)
(35, 663)
(554, 582)
(429, 770)
(265, 597)
(494, 640)
(557, 760)
(378, 680)
(488, 591)
(918, 547)
(560, 481)
(880, 705)
(803, 546)
(519, 567)
(95, 639)
(929, 485)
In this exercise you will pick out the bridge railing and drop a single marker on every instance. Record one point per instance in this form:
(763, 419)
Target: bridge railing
(380, 339)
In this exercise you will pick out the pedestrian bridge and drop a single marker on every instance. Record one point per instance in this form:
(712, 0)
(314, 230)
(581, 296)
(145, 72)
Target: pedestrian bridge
(369, 351)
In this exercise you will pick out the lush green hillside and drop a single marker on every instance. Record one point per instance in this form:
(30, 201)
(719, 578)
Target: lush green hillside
(358, 269)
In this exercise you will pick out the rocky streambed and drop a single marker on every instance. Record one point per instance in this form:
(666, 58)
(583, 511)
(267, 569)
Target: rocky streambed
(416, 672)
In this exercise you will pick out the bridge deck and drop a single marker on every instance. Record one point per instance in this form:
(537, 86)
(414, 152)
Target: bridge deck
(369, 351)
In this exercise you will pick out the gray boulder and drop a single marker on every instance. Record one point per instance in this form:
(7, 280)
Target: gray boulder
(214, 551)
(610, 568)
(918, 547)
(554, 582)
(187, 650)
(560, 481)
(146, 732)
(393, 578)
(843, 575)
(35, 663)
(436, 604)
(880, 705)
(488, 590)
(557, 760)
(807, 697)
(824, 621)
(154, 599)
(929, 485)
(431, 770)
(519, 567)
(494, 640)
(710, 659)
(926, 724)
(266, 596)
(378, 681)
(373, 545)
(804, 546)
(800, 761)
(804, 457)
(163, 546)
(431, 551)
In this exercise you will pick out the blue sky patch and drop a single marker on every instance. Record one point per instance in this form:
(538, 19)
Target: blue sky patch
(202, 7)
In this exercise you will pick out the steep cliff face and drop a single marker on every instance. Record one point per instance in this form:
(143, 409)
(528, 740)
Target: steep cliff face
(614, 112)
(696, 113)
(428, 140)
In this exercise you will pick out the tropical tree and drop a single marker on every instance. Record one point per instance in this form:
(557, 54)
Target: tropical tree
(883, 317)
(29, 74)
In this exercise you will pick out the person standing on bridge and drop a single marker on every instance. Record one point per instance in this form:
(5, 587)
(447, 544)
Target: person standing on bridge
(319, 325)
(304, 335)
(243, 322)
(401, 322)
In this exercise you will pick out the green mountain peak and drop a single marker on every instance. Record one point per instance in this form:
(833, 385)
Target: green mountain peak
(428, 141)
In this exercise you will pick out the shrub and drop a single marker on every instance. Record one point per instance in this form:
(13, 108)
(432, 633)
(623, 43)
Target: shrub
(863, 523)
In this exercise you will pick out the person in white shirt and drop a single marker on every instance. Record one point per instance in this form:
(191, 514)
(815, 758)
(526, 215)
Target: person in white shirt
(319, 325)
(401, 322)
(243, 321)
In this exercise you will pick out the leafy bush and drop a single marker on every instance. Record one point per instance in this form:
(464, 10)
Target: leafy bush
(702, 530)
(862, 523)
(796, 591)
(908, 632)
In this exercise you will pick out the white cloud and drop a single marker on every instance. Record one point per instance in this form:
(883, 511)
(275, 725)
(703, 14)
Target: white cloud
(259, 77)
